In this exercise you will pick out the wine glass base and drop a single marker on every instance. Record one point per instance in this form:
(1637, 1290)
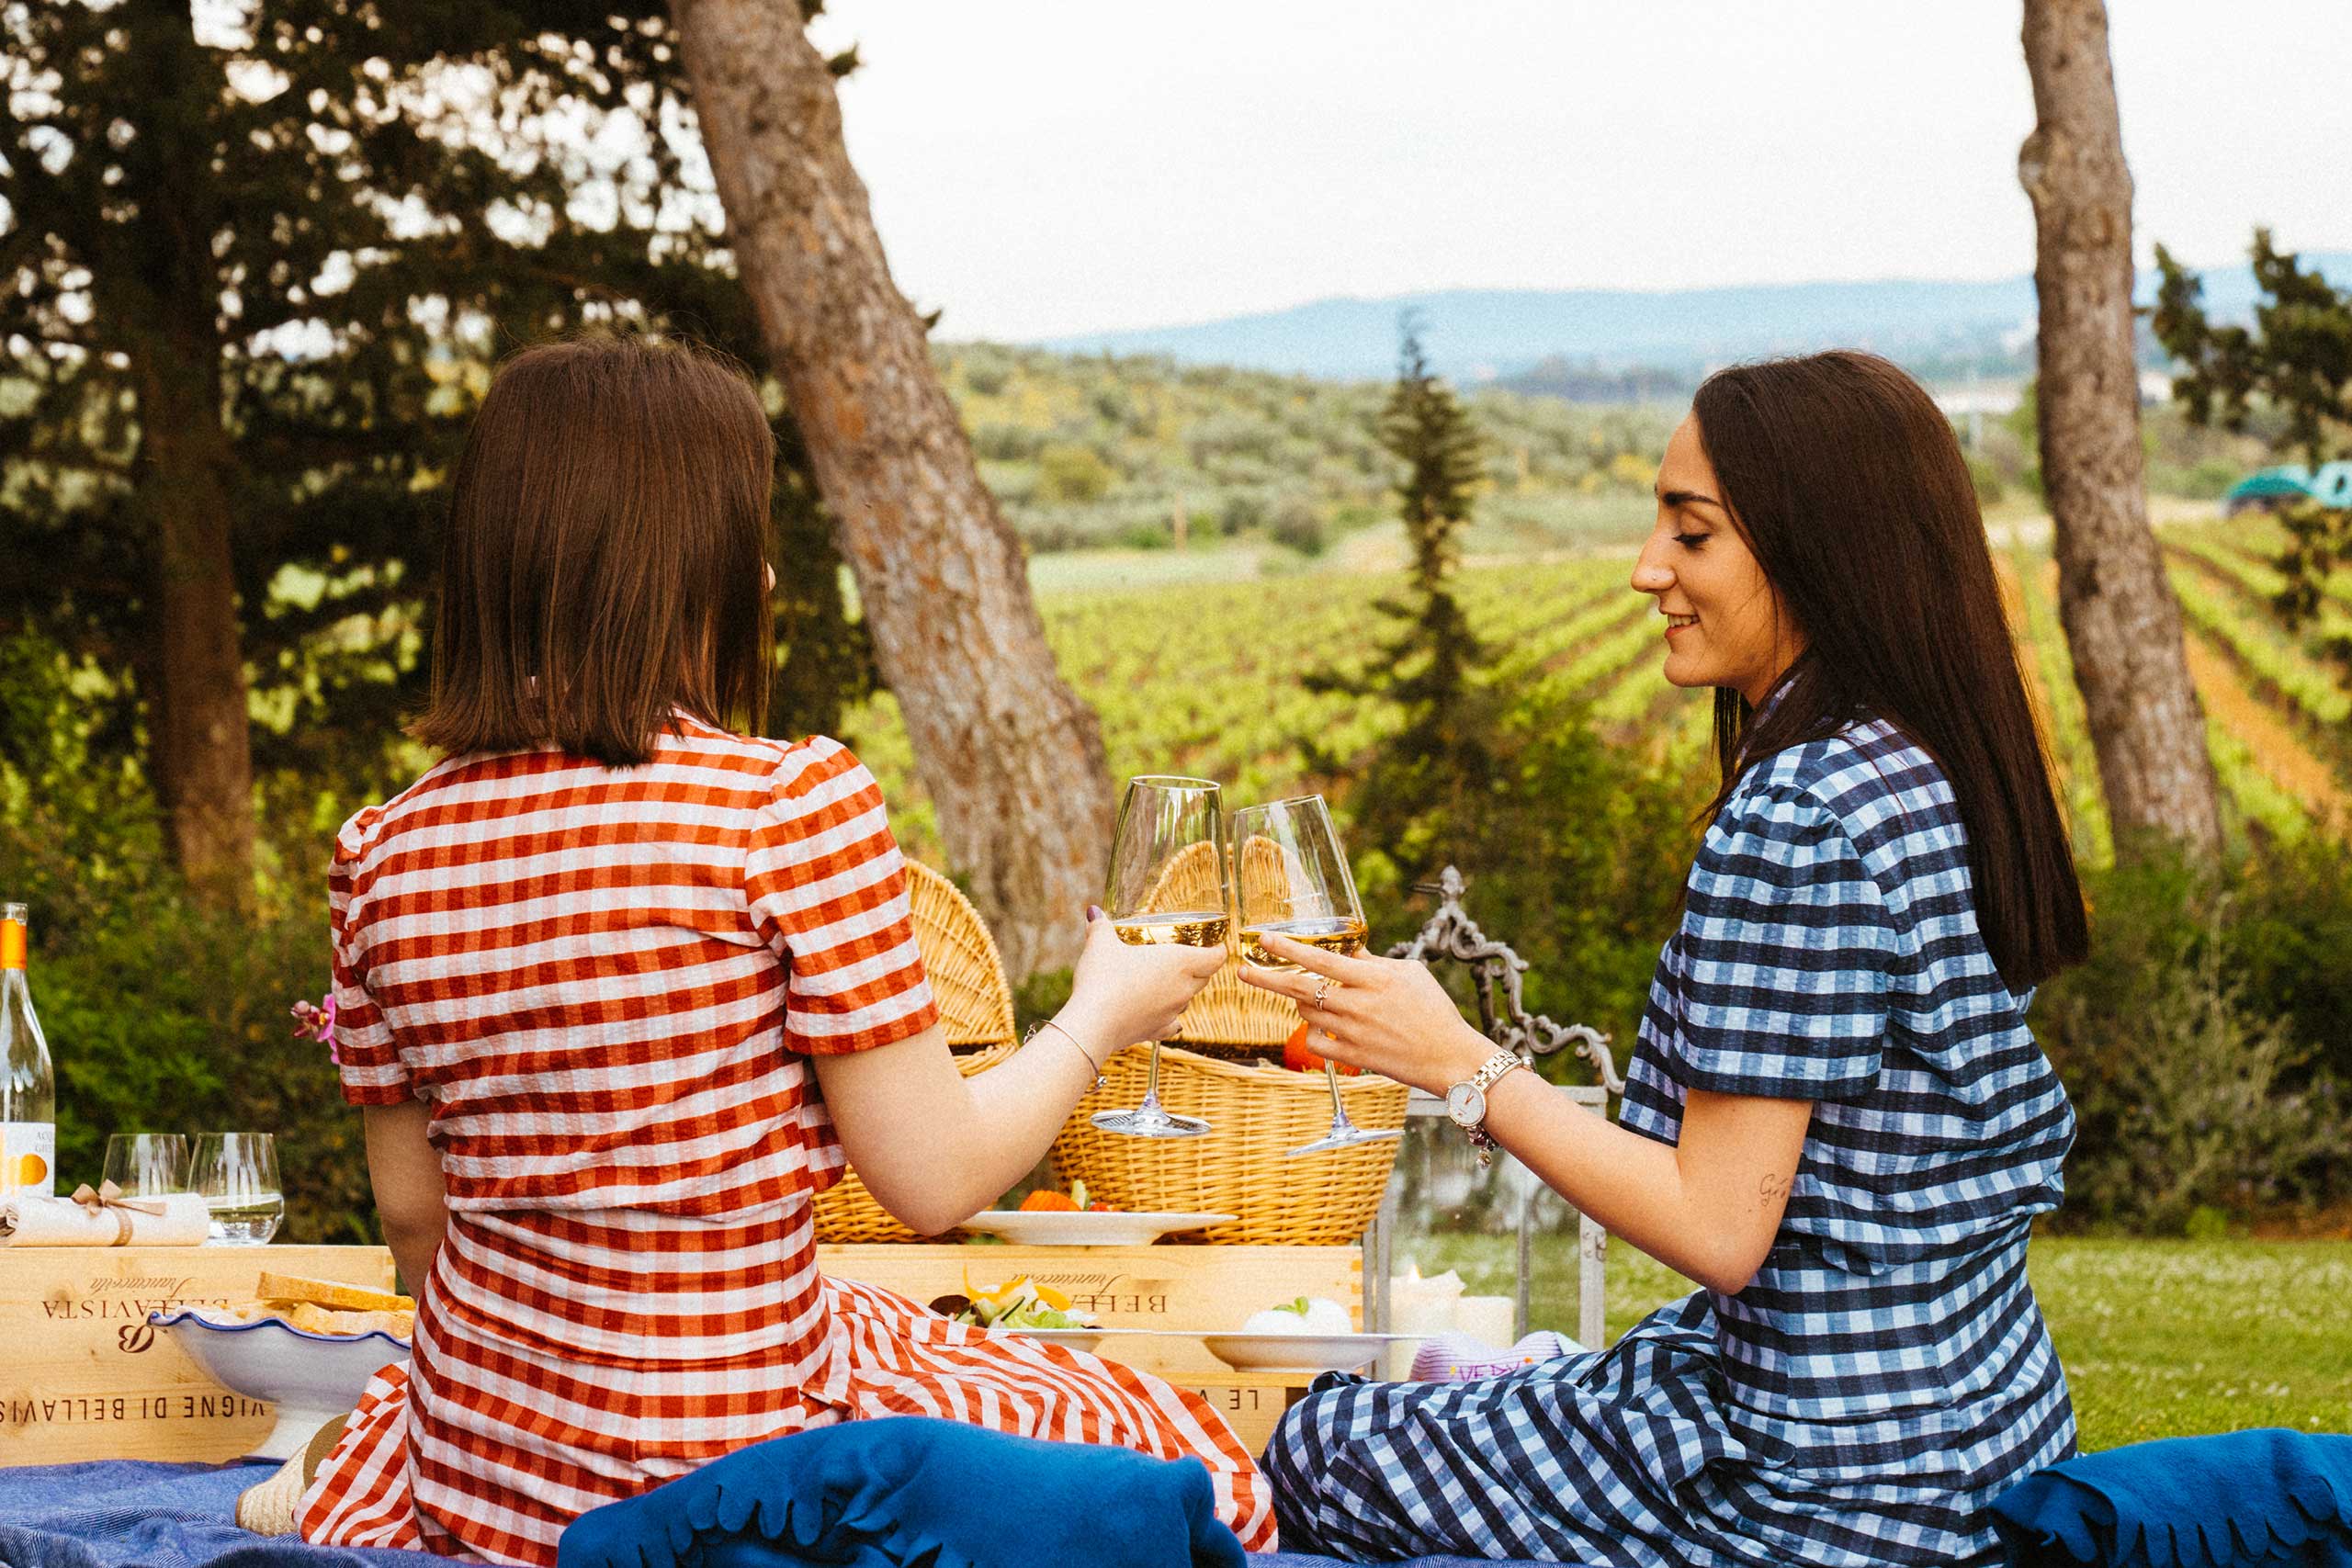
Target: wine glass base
(1346, 1138)
(1146, 1123)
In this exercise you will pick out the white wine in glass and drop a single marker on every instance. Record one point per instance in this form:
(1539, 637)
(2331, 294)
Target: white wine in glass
(1188, 927)
(1342, 934)
(1294, 881)
(1166, 885)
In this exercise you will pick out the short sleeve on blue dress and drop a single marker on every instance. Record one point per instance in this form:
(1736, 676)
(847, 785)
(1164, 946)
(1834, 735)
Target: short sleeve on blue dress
(1784, 957)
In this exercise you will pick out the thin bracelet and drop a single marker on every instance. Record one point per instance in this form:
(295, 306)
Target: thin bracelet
(1092, 1065)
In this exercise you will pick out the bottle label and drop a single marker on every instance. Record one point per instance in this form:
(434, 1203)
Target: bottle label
(28, 1159)
(12, 944)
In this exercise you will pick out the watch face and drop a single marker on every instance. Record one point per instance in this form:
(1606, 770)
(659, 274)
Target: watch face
(1465, 1104)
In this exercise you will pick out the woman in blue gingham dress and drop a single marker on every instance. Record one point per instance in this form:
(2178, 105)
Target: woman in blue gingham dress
(1868, 1369)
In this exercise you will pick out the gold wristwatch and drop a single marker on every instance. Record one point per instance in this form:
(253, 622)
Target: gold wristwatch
(1466, 1101)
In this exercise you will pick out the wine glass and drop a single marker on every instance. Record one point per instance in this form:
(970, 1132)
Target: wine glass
(146, 1165)
(1295, 882)
(1165, 885)
(236, 1175)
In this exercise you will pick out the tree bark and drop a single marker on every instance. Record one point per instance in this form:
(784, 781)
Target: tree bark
(1013, 759)
(2121, 619)
(166, 296)
(202, 735)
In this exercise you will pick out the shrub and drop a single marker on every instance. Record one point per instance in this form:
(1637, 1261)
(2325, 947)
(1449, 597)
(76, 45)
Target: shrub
(1295, 527)
(1071, 473)
(2189, 1106)
(165, 1018)
(1240, 513)
(1000, 441)
(2203, 1042)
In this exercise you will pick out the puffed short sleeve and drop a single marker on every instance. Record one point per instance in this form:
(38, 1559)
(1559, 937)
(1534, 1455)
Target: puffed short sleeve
(1785, 956)
(366, 1054)
(827, 889)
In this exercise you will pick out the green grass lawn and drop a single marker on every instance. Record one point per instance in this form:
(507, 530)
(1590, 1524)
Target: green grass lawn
(2159, 1338)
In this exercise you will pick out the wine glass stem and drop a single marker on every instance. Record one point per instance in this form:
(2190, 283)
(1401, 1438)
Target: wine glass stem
(1151, 1079)
(1339, 1107)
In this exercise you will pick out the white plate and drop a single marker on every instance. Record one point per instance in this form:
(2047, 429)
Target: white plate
(1067, 1227)
(309, 1377)
(1296, 1352)
(1068, 1338)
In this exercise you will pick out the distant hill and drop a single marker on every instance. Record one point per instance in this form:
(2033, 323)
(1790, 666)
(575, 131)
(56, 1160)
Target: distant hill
(1599, 339)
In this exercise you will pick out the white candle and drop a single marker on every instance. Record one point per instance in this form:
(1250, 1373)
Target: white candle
(1490, 1318)
(1419, 1306)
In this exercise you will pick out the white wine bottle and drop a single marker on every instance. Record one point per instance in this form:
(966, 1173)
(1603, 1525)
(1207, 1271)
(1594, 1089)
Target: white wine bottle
(28, 1083)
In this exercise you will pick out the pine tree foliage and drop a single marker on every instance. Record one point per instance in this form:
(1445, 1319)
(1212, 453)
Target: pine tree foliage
(278, 246)
(2296, 360)
(1429, 667)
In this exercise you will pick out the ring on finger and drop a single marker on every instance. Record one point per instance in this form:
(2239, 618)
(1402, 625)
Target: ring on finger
(1322, 990)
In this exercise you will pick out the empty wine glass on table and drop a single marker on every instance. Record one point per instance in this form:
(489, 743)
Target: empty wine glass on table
(236, 1175)
(1294, 881)
(146, 1165)
(1165, 885)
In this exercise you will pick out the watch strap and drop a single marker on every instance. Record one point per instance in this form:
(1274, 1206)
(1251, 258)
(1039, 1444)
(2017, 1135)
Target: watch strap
(1490, 1073)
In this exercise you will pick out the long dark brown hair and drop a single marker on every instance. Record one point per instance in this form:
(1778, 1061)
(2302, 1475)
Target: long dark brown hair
(1846, 480)
(606, 553)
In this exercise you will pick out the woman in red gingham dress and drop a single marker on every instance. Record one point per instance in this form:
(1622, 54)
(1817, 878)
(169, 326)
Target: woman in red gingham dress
(616, 986)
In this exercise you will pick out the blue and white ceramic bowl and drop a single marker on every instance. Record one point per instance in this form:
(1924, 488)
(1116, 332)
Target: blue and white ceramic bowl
(309, 1378)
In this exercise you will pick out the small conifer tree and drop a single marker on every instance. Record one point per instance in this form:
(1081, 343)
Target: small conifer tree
(1429, 666)
(2295, 361)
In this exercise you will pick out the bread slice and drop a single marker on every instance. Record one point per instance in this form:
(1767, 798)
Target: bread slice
(293, 1288)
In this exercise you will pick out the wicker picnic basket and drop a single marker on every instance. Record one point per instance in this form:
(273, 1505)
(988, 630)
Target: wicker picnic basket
(975, 1007)
(1257, 1112)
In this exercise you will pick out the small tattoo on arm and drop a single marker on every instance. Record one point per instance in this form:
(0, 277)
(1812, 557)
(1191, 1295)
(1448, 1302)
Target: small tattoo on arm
(1771, 1189)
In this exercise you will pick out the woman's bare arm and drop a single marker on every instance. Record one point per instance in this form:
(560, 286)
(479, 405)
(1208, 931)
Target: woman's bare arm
(1708, 1206)
(412, 1197)
(934, 1148)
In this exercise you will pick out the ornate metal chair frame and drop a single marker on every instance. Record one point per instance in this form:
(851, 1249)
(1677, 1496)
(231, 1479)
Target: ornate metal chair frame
(1452, 935)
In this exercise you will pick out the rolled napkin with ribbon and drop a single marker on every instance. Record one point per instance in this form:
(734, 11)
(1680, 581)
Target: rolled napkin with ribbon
(102, 1216)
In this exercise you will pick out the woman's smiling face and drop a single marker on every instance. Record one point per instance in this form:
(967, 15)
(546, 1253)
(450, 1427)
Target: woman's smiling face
(1725, 623)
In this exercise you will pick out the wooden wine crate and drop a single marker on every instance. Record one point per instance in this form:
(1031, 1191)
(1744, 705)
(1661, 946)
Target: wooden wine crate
(83, 1377)
(1252, 1403)
(1198, 1289)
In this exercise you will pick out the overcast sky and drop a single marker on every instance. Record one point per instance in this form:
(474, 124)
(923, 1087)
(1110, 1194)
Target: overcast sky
(1047, 166)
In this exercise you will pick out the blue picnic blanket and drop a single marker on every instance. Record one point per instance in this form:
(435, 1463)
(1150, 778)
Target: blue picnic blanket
(122, 1513)
(2271, 1495)
(134, 1514)
(912, 1489)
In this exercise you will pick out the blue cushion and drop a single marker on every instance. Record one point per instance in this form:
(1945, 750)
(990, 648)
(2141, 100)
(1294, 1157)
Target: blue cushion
(908, 1489)
(2270, 1498)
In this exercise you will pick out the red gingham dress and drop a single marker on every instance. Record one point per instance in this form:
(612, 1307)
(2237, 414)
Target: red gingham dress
(605, 982)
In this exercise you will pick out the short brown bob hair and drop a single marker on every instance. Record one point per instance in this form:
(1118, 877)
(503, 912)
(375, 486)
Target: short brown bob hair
(605, 556)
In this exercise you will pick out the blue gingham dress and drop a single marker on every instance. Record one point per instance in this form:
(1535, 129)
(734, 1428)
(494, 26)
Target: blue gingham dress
(1887, 1372)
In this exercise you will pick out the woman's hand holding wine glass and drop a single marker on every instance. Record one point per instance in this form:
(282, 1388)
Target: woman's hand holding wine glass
(1385, 1015)
(1166, 889)
(1298, 899)
(1126, 992)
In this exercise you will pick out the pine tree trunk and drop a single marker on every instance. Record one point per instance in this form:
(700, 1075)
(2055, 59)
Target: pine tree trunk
(1012, 758)
(2122, 621)
(201, 740)
(166, 294)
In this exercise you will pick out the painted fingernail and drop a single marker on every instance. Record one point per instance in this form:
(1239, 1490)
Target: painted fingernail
(1093, 913)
